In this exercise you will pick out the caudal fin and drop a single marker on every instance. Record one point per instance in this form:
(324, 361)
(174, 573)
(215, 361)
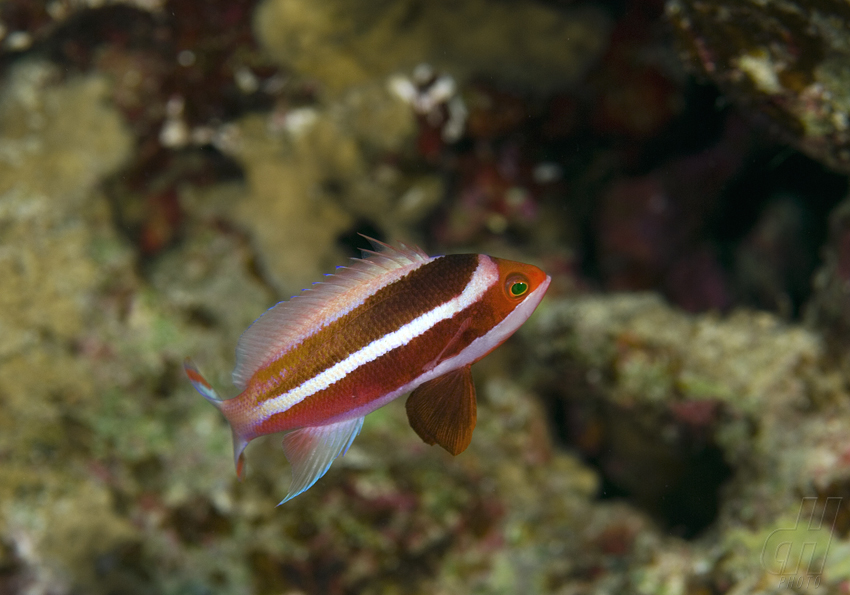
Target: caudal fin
(200, 383)
(208, 392)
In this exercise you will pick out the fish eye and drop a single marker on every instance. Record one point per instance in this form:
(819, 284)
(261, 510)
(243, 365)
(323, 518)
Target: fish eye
(516, 285)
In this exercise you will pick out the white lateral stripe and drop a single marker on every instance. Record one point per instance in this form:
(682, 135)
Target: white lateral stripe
(484, 276)
(475, 351)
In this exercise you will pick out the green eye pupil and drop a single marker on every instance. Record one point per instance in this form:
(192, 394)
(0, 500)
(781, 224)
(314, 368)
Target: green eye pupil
(519, 288)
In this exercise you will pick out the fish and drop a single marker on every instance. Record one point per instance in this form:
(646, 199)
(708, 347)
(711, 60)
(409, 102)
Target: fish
(392, 322)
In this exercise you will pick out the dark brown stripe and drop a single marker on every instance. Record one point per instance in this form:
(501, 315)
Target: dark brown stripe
(386, 311)
(387, 373)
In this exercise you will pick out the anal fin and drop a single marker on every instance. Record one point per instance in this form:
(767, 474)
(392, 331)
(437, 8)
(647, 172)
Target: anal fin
(311, 451)
(443, 410)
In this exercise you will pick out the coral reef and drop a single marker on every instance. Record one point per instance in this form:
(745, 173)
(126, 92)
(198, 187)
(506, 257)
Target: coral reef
(648, 392)
(345, 45)
(63, 267)
(165, 177)
(311, 174)
(783, 61)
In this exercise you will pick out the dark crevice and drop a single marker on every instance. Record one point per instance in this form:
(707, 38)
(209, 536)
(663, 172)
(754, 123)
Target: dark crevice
(664, 462)
(352, 240)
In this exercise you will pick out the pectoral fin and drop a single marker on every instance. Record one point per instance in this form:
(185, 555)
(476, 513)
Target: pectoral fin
(443, 411)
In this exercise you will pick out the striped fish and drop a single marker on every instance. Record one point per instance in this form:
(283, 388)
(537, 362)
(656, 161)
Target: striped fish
(393, 322)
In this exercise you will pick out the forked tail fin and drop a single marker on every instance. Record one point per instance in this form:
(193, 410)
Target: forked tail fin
(208, 392)
(200, 383)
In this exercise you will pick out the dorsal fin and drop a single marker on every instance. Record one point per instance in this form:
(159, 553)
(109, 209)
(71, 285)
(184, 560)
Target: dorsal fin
(288, 323)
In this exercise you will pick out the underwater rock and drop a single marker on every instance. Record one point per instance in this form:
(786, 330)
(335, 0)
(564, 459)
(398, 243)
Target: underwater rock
(24, 23)
(313, 172)
(89, 354)
(290, 210)
(60, 261)
(57, 142)
(828, 310)
(344, 44)
(642, 384)
(783, 62)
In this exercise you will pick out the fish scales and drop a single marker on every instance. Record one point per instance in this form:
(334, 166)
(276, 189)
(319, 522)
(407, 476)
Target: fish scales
(391, 370)
(391, 307)
(405, 323)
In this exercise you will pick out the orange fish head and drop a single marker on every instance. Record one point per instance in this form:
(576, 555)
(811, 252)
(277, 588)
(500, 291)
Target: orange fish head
(519, 281)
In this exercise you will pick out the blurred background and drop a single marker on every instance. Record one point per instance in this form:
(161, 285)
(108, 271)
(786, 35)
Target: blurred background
(171, 168)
